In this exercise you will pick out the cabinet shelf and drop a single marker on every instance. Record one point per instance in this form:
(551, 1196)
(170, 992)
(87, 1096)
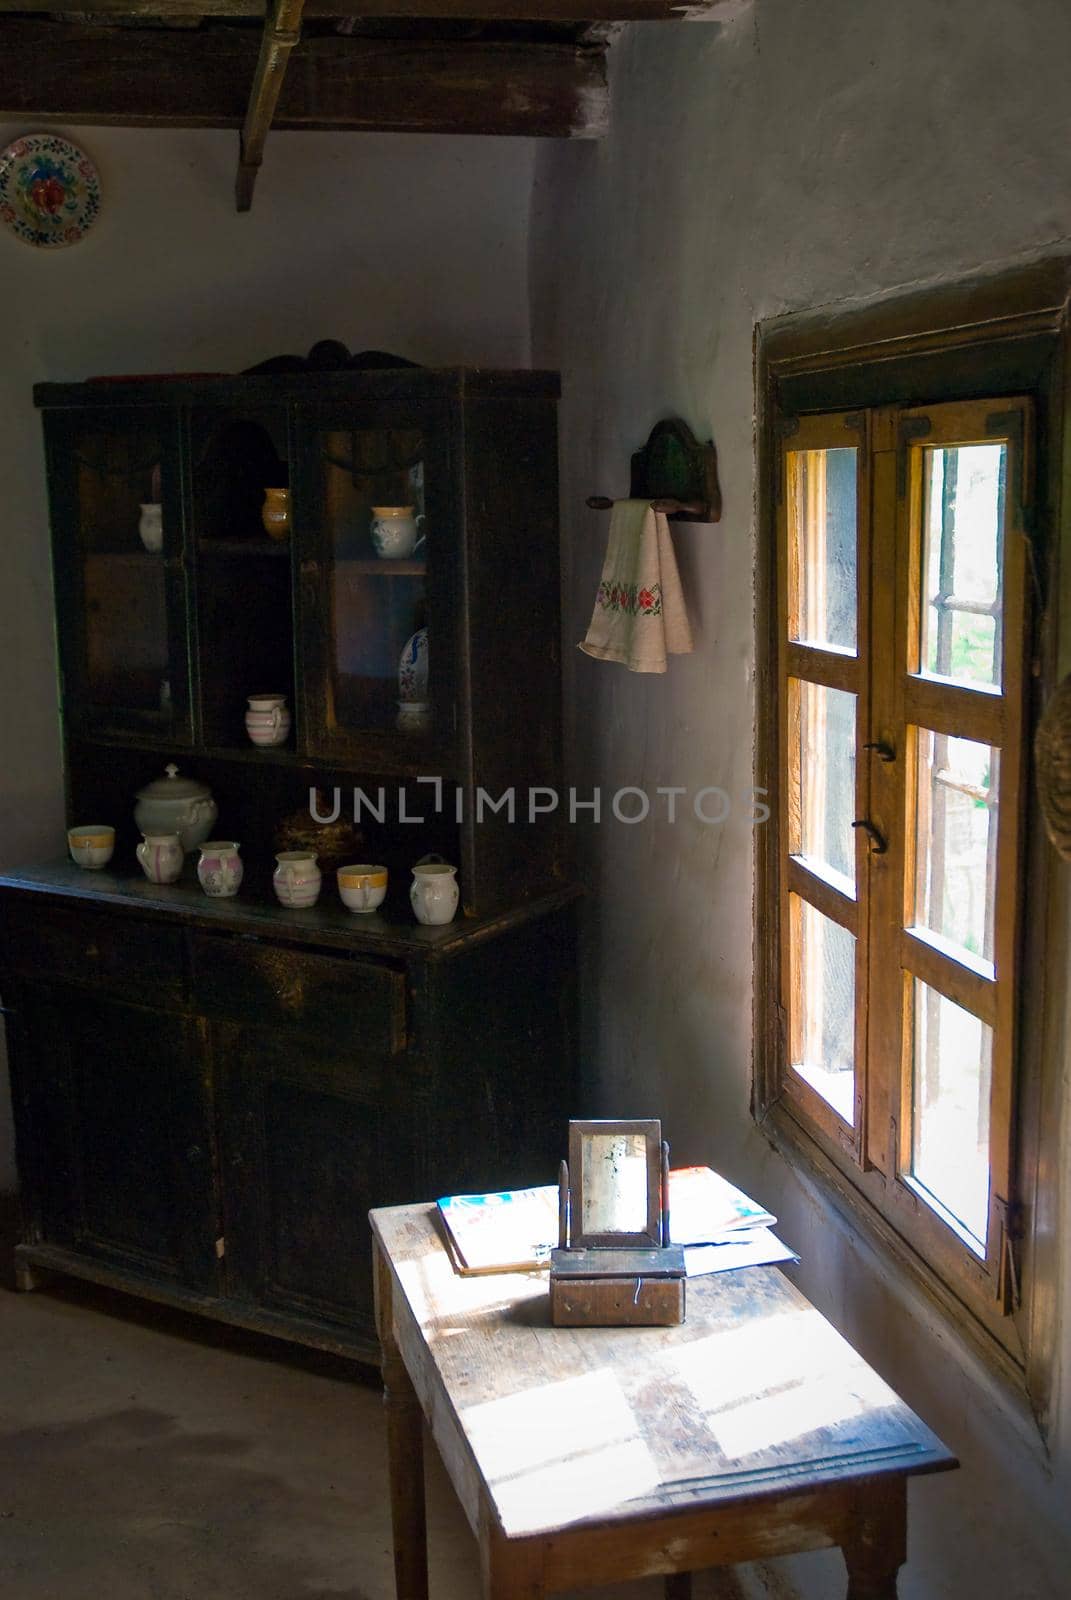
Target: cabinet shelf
(376, 568)
(244, 547)
(139, 558)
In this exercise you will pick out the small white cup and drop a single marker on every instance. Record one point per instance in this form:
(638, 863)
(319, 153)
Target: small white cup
(92, 845)
(362, 887)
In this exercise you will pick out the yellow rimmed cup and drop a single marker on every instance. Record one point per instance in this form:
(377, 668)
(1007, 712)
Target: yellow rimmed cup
(91, 845)
(362, 887)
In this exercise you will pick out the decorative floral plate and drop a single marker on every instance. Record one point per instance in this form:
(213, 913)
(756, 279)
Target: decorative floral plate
(49, 190)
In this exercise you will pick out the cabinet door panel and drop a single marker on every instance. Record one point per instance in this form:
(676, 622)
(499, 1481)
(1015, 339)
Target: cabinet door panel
(119, 542)
(366, 596)
(118, 1103)
(311, 1141)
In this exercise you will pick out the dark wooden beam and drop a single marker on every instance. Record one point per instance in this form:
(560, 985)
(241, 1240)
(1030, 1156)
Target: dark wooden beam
(282, 33)
(153, 78)
(476, 10)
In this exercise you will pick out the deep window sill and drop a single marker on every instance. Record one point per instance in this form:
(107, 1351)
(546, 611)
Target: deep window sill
(785, 1135)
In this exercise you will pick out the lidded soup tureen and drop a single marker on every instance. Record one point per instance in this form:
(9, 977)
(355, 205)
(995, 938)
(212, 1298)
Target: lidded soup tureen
(175, 804)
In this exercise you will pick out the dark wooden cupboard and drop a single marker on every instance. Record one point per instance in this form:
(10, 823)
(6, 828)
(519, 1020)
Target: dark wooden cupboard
(210, 1094)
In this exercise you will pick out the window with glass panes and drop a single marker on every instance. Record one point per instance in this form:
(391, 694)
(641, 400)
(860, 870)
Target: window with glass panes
(900, 585)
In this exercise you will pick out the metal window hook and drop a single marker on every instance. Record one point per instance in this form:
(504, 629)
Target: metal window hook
(878, 842)
(883, 751)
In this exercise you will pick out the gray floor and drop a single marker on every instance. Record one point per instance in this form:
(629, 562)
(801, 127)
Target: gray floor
(149, 1456)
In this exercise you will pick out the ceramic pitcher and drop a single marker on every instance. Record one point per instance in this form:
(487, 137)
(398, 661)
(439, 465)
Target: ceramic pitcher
(434, 893)
(151, 526)
(267, 721)
(296, 879)
(396, 532)
(219, 870)
(161, 856)
(275, 513)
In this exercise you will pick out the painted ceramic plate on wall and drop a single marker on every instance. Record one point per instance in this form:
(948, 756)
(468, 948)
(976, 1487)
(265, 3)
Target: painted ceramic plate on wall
(49, 190)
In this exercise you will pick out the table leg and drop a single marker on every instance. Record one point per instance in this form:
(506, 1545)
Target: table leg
(679, 1586)
(877, 1546)
(510, 1570)
(405, 1452)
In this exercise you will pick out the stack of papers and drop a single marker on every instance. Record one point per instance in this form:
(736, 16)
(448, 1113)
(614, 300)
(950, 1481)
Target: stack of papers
(515, 1231)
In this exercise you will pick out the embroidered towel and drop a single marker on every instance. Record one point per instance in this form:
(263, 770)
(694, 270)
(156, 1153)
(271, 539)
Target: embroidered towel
(639, 614)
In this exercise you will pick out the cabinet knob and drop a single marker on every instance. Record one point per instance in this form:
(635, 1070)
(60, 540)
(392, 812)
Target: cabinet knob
(194, 1153)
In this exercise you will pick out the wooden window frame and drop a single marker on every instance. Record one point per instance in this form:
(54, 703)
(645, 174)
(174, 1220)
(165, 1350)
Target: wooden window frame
(866, 371)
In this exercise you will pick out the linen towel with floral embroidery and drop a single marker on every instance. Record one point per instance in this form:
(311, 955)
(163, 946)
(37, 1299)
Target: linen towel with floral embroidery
(639, 615)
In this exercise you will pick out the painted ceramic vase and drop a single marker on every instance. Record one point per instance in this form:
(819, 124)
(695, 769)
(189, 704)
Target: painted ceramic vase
(296, 879)
(413, 667)
(396, 532)
(161, 856)
(151, 526)
(91, 845)
(434, 893)
(219, 870)
(267, 721)
(275, 513)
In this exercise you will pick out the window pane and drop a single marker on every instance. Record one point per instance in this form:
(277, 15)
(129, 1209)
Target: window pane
(950, 1127)
(956, 852)
(826, 767)
(963, 549)
(823, 1021)
(822, 520)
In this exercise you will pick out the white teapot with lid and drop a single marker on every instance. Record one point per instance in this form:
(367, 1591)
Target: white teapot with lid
(175, 804)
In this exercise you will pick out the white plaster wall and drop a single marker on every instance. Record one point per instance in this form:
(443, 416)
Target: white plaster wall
(808, 152)
(406, 243)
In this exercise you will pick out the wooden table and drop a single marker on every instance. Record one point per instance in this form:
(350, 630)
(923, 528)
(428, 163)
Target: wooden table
(589, 1456)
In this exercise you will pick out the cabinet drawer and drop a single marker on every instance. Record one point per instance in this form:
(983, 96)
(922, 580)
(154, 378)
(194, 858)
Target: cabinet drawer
(246, 980)
(137, 959)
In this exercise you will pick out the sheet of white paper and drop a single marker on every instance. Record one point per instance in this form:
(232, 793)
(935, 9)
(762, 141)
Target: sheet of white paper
(759, 1247)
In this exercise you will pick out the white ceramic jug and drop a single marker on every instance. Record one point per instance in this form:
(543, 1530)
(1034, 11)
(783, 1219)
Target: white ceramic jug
(151, 526)
(434, 893)
(161, 856)
(296, 879)
(395, 532)
(267, 721)
(219, 870)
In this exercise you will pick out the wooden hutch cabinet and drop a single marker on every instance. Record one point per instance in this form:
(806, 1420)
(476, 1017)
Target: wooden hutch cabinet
(211, 1093)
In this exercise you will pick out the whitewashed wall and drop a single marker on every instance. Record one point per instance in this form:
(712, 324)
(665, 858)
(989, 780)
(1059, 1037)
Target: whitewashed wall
(404, 243)
(809, 152)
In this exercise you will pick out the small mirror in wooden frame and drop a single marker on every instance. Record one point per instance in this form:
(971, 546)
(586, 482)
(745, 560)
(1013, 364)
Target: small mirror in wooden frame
(615, 1265)
(615, 1184)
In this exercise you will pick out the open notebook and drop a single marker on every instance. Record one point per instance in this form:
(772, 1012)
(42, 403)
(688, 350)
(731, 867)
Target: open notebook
(515, 1231)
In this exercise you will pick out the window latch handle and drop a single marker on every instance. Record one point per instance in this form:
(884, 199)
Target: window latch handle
(883, 751)
(878, 842)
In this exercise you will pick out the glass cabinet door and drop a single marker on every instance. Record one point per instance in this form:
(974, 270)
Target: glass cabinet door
(373, 518)
(121, 579)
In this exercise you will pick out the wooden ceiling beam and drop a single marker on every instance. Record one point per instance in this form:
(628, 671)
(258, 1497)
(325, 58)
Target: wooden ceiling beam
(282, 31)
(155, 78)
(473, 10)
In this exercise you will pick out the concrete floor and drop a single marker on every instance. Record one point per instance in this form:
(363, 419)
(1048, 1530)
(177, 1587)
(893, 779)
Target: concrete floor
(146, 1455)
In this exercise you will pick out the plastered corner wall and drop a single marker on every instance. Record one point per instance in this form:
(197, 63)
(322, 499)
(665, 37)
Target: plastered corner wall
(802, 153)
